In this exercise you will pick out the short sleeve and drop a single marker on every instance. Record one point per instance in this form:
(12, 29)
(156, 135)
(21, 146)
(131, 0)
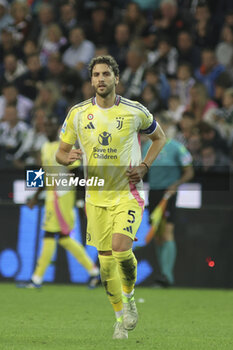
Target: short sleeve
(68, 133)
(147, 122)
(184, 156)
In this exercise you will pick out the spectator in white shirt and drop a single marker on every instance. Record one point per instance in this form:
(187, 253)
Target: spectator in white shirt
(132, 76)
(184, 82)
(13, 68)
(5, 18)
(29, 152)
(12, 133)
(165, 57)
(23, 104)
(80, 52)
(224, 50)
(175, 108)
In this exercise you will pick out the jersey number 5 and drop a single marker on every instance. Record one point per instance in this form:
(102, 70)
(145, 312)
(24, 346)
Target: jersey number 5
(131, 213)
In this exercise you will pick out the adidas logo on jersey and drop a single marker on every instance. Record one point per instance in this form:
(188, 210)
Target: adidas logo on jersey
(89, 126)
(128, 229)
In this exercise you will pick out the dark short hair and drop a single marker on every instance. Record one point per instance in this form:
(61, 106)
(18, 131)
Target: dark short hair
(34, 54)
(109, 60)
(77, 28)
(187, 65)
(188, 114)
(8, 85)
(224, 80)
(202, 3)
(152, 70)
(205, 127)
(165, 39)
(208, 49)
(12, 104)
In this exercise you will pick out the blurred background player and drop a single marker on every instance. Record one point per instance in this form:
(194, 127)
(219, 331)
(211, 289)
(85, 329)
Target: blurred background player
(59, 216)
(170, 169)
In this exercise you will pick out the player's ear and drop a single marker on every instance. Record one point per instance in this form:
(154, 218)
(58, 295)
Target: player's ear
(116, 80)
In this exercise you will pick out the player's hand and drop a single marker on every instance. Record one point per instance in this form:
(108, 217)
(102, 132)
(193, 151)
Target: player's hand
(171, 190)
(74, 155)
(31, 202)
(136, 174)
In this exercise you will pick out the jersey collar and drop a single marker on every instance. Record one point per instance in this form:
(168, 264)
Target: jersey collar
(117, 100)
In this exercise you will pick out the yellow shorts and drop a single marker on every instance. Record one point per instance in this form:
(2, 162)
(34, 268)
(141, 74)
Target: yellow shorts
(59, 213)
(102, 222)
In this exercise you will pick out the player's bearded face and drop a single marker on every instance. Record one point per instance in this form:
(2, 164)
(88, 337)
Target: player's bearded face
(105, 90)
(103, 80)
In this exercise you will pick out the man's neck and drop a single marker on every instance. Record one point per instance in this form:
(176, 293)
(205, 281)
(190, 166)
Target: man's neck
(106, 102)
(13, 123)
(76, 46)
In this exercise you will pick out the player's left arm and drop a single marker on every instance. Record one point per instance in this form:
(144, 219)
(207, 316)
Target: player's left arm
(158, 139)
(187, 175)
(184, 160)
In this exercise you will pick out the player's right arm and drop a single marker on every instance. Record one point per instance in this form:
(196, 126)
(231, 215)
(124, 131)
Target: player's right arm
(66, 155)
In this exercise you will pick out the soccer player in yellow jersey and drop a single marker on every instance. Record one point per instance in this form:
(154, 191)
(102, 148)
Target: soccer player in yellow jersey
(59, 216)
(107, 128)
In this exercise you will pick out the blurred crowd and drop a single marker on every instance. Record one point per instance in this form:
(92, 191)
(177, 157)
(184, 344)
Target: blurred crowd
(175, 57)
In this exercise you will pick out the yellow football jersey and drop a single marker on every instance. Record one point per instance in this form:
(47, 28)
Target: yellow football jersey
(49, 164)
(51, 167)
(48, 153)
(59, 203)
(109, 140)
